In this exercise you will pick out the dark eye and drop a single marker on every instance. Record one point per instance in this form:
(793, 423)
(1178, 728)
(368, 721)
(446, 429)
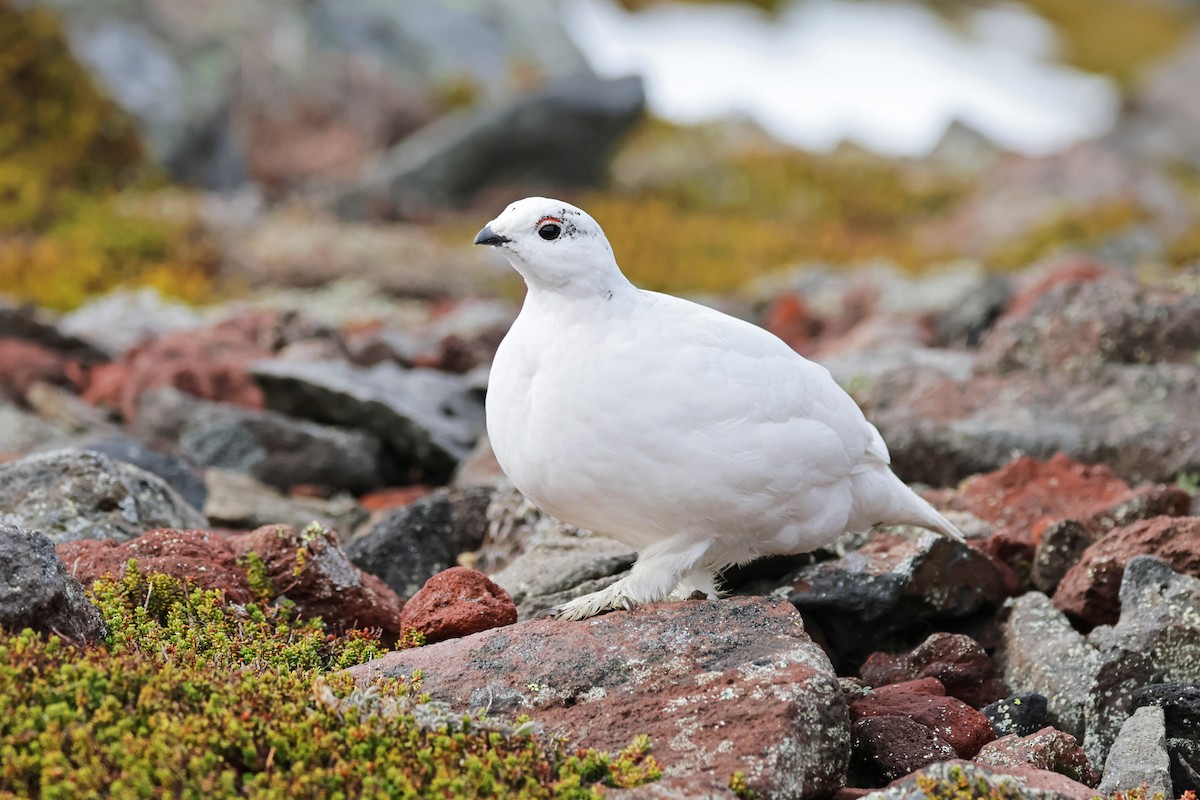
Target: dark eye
(549, 231)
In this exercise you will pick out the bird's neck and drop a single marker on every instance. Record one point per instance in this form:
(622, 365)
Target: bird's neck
(598, 286)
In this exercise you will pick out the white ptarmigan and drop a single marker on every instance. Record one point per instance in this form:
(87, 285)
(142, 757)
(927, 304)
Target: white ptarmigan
(695, 438)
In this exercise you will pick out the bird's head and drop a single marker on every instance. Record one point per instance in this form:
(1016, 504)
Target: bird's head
(554, 245)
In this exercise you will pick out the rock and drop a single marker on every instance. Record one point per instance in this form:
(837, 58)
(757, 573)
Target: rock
(410, 545)
(428, 419)
(1089, 591)
(546, 562)
(273, 448)
(948, 778)
(202, 559)
(37, 591)
(1156, 640)
(119, 321)
(479, 468)
(235, 500)
(307, 566)
(560, 135)
(1139, 756)
(893, 584)
(1048, 749)
(1181, 710)
(925, 702)
(943, 422)
(959, 662)
(887, 748)
(175, 472)
(35, 325)
(1042, 653)
(211, 363)
(719, 687)
(1075, 327)
(22, 432)
(76, 494)
(1019, 715)
(1058, 549)
(964, 323)
(24, 363)
(457, 603)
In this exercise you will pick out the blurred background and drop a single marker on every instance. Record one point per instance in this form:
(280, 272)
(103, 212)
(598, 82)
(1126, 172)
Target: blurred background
(209, 150)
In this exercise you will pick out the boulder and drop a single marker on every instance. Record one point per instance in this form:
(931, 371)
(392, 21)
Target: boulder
(560, 135)
(275, 449)
(37, 591)
(1019, 715)
(307, 566)
(950, 778)
(78, 494)
(924, 701)
(409, 545)
(429, 420)
(719, 687)
(236, 500)
(1138, 757)
(1048, 749)
(959, 662)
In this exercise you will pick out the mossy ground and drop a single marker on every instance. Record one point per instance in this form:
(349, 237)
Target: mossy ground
(190, 697)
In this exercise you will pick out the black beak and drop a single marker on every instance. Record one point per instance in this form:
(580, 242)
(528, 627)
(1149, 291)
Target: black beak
(486, 236)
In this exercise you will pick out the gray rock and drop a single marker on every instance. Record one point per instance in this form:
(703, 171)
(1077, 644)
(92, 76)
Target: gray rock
(543, 562)
(273, 448)
(893, 585)
(1156, 640)
(22, 432)
(176, 472)
(1042, 653)
(1181, 709)
(76, 494)
(964, 323)
(1060, 546)
(948, 777)
(410, 545)
(37, 592)
(38, 326)
(561, 135)
(719, 687)
(429, 419)
(1020, 715)
(1139, 756)
(117, 321)
(236, 500)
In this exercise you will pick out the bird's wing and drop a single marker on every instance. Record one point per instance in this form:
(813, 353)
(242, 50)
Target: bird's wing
(770, 382)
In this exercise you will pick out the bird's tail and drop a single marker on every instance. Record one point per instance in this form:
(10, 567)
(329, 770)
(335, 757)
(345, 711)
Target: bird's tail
(881, 498)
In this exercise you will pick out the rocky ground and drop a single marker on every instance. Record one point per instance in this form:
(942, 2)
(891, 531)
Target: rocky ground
(305, 436)
(1057, 653)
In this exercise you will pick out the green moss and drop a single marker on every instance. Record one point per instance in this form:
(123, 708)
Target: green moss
(193, 698)
(956, 786)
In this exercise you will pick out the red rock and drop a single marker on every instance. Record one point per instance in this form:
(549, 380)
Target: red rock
(24, 363)
(958, 662)
(925, 701)
(310, 569)
(719, 687)
(395, 497)
(203, 559)
(1071, 270)
(211, 364)
(1048, 749)
(1026, 496)
(458, 602)
(1089, 590)
(789, 318)
(887, 748)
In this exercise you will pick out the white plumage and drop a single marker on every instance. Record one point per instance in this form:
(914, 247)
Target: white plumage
(696, 438)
